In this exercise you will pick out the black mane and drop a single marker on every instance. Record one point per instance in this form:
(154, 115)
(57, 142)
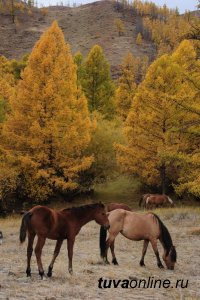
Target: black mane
(173, 254)
(166, 239)
(82, 208)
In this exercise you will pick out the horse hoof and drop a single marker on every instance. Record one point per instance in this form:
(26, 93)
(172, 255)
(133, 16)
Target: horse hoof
(41, 273)
(106, 262)
(28, 272)
(49, 274)
(142, 264)
(161, 266)
(70, 271)
(114, 261)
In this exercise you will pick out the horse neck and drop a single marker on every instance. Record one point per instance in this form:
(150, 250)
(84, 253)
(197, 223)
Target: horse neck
(166, 247)
(83, 217)
(166, 242)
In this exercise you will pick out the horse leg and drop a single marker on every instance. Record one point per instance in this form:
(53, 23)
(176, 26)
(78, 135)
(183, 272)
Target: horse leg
(148, 206)
(145, 205)
(38, 253)
(56, 252)
(155, 249)
(110, 240)
(144, 250)
(70, 245)
(112, 248)
(31, 237)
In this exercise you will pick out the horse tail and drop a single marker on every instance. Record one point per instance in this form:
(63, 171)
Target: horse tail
(170, 200)
(165, 235)
(102, 241)
(23, 228)
(140, 201)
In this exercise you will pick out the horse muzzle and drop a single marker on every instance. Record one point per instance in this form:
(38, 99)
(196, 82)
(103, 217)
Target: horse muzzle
(107, 226)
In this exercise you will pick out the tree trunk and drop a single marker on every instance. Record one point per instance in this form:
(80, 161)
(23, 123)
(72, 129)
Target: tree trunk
(163, 178)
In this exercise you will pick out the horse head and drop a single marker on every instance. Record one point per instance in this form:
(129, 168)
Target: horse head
(170, 258)
(100, 216)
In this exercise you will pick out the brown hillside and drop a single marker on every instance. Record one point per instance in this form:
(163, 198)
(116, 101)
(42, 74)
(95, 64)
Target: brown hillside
(83, 27)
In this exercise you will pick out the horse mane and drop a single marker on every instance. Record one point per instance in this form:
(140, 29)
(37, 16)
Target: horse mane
(166, 238)
(79, 209)
(173, 254)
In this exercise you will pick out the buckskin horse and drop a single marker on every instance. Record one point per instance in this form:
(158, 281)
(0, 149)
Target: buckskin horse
(113, 206)
(136, 227)
(57, 225)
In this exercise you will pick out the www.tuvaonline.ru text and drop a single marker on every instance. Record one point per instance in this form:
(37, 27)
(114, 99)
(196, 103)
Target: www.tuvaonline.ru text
(149, 283)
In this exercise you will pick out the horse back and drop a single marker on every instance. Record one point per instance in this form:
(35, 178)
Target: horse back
(157, 199)
(140, 226)
(113, 206)
(44, 221)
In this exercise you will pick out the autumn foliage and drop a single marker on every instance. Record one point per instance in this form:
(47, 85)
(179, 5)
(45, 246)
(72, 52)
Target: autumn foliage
(162, 127)
(65, 125)
(49, 127)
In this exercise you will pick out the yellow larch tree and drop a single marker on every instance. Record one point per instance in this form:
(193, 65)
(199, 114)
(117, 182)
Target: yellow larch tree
(97, 83)
(188, 100)
(7, 85)
(48, 129)
(127, 86)
(7, 89)
(119, 26)
(139, 39)
(157, 142)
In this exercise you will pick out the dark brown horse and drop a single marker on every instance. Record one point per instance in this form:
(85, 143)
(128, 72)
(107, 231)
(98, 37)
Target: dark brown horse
(113, 206)
(136, 227)
(57, 225)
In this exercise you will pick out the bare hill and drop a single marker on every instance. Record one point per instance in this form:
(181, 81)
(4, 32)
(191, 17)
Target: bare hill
(83, 27)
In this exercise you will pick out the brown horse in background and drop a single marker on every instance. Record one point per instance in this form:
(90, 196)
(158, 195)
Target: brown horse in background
(157, 201)
(150, 200)
(113, 206)
(136, 227)
(57, 225)
(143, 200)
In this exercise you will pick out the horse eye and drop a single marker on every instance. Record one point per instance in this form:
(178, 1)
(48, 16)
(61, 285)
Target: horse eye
(103, 214)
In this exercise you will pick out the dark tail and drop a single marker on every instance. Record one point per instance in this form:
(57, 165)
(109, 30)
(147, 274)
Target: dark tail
(102, 241)
(165, 235)
(23, 228)
(140, 202)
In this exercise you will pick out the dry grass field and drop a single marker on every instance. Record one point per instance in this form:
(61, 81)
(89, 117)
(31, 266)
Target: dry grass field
(183, 224)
